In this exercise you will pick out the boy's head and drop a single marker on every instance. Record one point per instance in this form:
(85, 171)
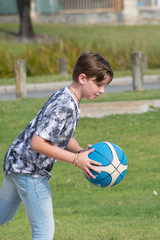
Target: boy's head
(92, 65)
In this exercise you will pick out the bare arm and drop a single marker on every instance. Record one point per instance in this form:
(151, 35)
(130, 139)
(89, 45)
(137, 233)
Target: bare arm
(45, 147)
(73, 146)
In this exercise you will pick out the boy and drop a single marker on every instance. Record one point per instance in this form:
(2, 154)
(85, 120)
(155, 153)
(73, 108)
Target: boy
(50, 136)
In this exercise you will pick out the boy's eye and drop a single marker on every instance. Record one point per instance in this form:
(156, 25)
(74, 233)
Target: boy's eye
(99, 85)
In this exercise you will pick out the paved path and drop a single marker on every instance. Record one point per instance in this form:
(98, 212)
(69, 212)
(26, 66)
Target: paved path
(97, 109)
(53, 86)
(108, 108)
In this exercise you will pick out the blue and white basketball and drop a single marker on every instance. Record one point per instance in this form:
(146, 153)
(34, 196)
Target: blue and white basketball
(114, 164)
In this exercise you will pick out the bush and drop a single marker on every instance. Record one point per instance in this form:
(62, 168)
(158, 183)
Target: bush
(114, 43)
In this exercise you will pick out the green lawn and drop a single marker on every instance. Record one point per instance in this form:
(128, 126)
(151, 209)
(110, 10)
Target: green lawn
(114, 42)
(128, 211)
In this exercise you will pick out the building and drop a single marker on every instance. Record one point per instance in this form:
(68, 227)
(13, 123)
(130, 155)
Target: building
(113, 12)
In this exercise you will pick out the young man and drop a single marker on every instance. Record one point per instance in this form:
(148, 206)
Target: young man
(50, 136)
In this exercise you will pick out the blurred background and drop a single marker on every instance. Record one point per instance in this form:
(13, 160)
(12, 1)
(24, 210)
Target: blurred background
(45, 32)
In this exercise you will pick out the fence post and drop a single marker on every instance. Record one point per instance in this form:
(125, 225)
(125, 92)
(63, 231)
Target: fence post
(137, 70)
(62, 66)
(20, 71)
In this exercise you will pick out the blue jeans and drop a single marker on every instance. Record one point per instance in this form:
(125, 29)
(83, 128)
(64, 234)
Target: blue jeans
(36, 197)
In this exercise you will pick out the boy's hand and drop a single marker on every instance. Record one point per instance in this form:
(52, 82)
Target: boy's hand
(86, 164)
(89, 145)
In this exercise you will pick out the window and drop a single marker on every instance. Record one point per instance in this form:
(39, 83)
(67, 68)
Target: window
(149, 3)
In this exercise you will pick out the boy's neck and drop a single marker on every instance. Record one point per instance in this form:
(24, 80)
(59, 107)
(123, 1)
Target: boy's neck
(74, 90)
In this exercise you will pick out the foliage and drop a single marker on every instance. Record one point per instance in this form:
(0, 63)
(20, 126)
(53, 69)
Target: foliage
(114, 42)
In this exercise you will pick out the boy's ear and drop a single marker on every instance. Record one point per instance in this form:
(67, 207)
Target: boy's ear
(82, 78)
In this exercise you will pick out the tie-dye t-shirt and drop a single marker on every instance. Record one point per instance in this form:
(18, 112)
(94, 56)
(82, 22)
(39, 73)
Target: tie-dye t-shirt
(55, 122)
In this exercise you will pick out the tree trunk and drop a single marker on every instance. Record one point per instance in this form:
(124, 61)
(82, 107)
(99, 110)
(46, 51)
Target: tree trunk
(26, 29)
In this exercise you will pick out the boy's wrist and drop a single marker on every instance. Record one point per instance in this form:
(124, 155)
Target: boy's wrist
(81, 150)
(75, 161)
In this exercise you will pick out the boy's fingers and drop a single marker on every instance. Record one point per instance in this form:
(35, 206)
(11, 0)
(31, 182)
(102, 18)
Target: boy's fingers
(86, 174)
(92, 161)
(89, 145)
(96, 169)
(90, 175)
(95, 163)
(90, 150)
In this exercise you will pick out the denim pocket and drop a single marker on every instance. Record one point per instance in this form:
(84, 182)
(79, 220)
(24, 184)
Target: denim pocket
(20, 181)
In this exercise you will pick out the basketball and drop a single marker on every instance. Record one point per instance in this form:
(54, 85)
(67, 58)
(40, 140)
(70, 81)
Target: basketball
(114, 164)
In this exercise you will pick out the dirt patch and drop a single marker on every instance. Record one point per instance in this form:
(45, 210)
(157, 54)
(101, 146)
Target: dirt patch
(36, 39)
(130, 107)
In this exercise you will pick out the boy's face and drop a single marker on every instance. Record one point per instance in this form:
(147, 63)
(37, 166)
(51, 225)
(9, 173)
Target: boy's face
(92, 89)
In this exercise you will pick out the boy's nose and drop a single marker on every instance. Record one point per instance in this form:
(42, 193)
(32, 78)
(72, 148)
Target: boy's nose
(101, 90)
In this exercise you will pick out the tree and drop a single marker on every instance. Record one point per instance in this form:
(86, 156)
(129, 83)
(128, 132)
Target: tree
(26, 28)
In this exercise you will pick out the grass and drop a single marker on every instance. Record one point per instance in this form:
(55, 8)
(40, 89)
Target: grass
(116, 44)
(128, 211)
(110, 35)
(127, 96)
(39, 79)
(68, 77)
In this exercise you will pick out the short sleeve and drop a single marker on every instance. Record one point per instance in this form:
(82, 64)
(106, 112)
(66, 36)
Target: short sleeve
(52, 123)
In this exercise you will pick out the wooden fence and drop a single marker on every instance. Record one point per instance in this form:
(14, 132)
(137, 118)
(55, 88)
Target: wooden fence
(76, 6)
(137, 59)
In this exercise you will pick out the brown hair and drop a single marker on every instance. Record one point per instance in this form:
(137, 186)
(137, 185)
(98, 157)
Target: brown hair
(92, 65)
